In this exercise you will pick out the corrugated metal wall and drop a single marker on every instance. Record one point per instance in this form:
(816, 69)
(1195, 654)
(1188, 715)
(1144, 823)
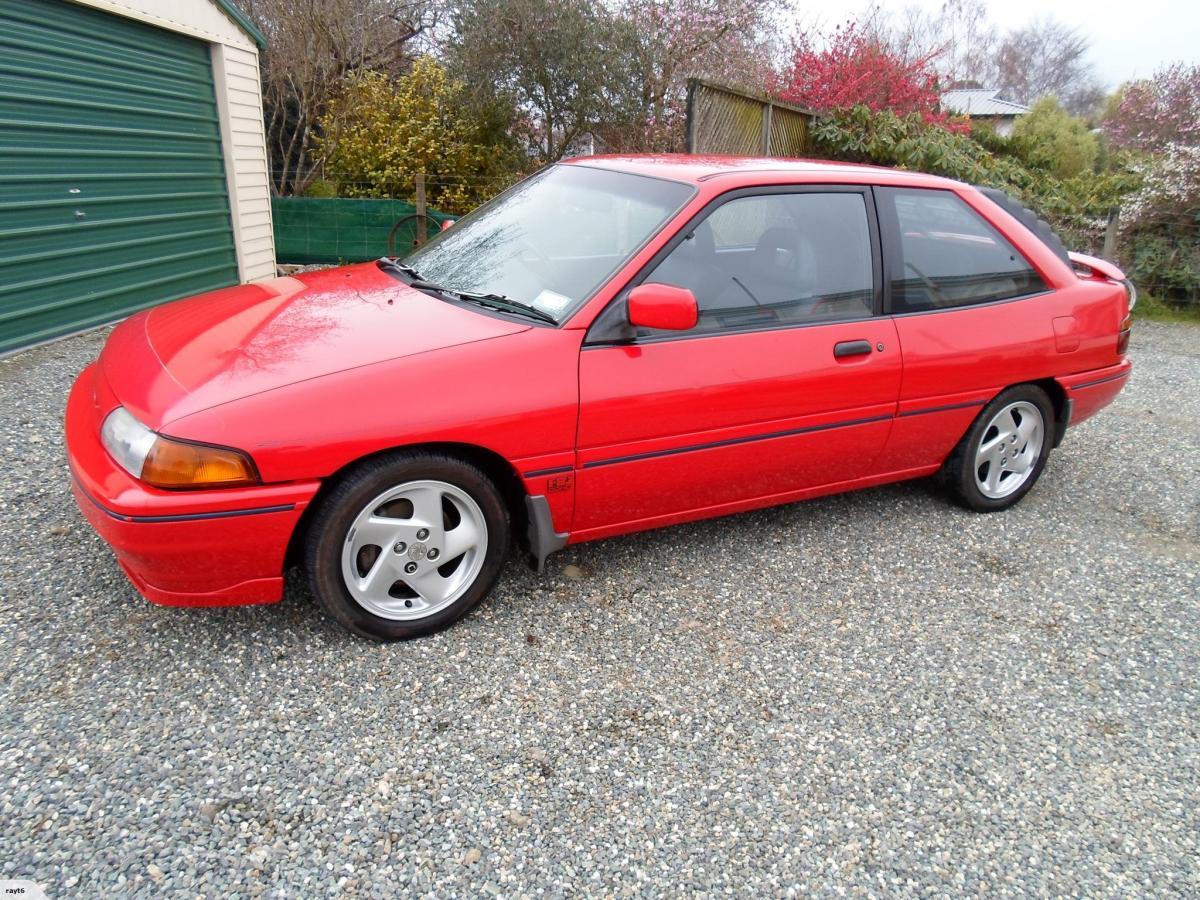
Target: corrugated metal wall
(112, 186)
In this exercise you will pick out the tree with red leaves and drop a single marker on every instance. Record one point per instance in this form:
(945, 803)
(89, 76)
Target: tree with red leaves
(854, 69)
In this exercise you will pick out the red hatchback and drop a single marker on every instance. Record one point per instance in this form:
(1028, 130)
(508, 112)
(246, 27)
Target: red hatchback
(614, 344)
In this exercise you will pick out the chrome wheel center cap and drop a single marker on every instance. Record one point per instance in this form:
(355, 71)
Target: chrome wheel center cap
(417, 552)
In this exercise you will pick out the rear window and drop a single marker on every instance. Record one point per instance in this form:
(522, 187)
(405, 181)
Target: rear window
(948, 256)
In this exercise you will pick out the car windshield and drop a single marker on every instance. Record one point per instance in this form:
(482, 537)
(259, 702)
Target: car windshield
(553, 239)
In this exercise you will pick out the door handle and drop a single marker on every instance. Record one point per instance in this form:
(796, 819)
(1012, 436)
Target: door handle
(851, 348)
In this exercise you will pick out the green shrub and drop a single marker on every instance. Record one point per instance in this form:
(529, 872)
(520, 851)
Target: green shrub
(322, 189)
(1077, 206)
(1055, 141)
(379, 133)
(1166, 259)
(885, 139)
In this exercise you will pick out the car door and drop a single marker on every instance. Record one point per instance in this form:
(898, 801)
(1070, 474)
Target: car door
(968, 315)
(789, 379)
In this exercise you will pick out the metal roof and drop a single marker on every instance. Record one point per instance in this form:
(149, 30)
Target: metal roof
(980, 102)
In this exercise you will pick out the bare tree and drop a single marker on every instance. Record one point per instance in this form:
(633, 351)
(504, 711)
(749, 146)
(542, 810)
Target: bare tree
(968, 41)
(1044, 58)
(1048, 59)
(959, 37)
(553, 58)
(312, 45)
(669, 41)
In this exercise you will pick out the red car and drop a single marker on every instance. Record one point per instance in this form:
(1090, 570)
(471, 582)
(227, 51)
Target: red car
(614, 344)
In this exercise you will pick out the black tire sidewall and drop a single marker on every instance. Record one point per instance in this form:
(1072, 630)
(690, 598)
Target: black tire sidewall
(964, 471)
(342, 504)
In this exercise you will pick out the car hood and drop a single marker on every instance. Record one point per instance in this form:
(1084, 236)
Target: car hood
(180, 358)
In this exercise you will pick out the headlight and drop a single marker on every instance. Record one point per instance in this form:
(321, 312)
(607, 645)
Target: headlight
(127, 439)
(170, 463)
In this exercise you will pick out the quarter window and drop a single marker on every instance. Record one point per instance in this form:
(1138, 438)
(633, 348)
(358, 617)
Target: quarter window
(776, 260)
(948, 256)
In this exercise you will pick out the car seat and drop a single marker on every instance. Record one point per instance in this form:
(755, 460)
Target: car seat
(692, 265)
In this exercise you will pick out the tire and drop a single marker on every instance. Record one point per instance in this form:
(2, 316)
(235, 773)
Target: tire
(1003, 452)
(406, 544)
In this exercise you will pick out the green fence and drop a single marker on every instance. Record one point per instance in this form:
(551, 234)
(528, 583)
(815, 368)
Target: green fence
(320, 230)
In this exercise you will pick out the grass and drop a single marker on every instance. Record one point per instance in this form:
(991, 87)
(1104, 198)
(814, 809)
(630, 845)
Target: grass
(1153, 309)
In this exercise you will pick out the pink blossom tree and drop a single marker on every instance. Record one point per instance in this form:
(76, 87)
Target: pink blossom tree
(1160, 111)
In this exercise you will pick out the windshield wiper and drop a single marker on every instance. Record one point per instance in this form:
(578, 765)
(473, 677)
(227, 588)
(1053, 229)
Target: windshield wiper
(493, 301)
(388, 263)
(499, 301)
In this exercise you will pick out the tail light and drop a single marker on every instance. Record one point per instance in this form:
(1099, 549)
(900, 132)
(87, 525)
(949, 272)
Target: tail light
(1123, 335)
(1131, 291)
(1127, 322)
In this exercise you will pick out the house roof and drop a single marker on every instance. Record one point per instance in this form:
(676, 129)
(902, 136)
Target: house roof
(980, 102)
(243, 22)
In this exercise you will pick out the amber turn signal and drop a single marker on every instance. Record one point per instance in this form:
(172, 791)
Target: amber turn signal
(178, 465)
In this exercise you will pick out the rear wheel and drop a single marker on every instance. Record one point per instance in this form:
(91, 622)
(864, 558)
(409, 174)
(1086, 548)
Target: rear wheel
(1001, 456)
(406, 545)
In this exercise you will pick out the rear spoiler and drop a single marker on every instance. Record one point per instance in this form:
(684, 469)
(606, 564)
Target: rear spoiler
(1084, 265)
(1027, 217)
(1094, 267)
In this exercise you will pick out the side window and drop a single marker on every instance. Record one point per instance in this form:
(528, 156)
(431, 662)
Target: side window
(776, 259)
(948, 255)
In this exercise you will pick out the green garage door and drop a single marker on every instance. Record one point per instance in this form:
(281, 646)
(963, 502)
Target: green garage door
(112, 185)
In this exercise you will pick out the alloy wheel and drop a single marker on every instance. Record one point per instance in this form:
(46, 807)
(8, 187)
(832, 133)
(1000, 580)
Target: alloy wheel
(1009, 449)
(414, 550)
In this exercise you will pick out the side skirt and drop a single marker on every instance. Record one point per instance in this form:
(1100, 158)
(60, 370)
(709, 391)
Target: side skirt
(725, 509)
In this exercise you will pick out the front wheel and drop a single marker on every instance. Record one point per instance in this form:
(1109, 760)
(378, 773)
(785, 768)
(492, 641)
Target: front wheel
(1001, 456)
(406, 545)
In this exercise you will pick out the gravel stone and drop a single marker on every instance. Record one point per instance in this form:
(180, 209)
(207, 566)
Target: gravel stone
(878, 693)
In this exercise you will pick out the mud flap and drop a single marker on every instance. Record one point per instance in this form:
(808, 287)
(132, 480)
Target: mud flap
(543, 539)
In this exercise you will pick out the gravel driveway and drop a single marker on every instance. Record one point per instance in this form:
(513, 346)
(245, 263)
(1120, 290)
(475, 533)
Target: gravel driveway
(876, 693)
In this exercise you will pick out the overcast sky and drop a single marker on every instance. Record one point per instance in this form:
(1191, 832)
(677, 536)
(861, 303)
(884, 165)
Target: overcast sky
(1129, 39)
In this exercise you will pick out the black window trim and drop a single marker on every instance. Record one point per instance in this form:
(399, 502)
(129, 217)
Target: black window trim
(889, 224)
(951, 309)
(593, 341)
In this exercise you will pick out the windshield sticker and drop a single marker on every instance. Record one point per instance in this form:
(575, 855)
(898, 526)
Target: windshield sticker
(551, 301)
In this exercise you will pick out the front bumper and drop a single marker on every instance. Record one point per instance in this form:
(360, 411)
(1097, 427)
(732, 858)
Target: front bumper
(180, 548)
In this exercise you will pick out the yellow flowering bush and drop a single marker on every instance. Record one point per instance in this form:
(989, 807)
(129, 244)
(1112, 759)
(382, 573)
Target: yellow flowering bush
(379, 133)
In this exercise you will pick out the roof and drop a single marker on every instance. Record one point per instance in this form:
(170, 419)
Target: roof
(980, 102)
(243, 22)
(697, 168)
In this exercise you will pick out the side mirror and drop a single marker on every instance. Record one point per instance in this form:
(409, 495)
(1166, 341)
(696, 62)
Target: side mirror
(662, 306)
